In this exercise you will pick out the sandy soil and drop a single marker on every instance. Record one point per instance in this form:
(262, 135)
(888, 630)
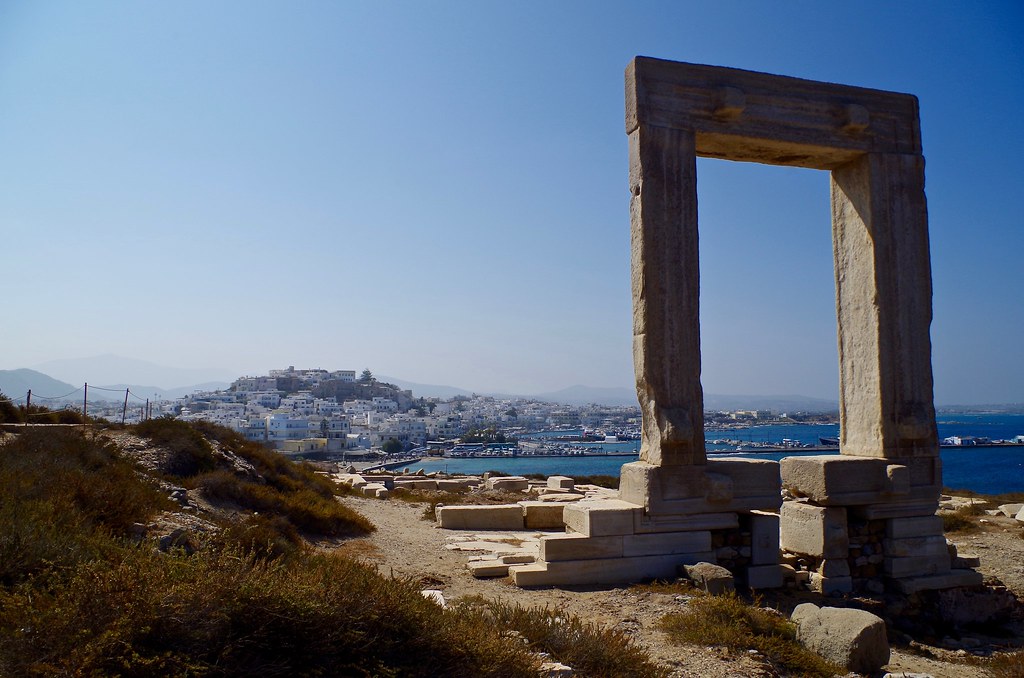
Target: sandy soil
(408, 546)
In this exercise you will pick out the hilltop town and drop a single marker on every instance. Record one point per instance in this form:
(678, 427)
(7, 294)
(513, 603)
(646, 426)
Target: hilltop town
(324, 413)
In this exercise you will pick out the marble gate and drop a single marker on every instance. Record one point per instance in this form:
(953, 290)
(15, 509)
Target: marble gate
(868, 513)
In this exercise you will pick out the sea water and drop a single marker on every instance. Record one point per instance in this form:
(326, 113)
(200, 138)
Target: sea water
(989, 470)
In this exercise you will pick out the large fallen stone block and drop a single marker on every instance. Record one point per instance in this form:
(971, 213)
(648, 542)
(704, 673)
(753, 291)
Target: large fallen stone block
(508, 483)
(709, 577)
(601, 518)
(814, 530)
(854, 639)
(1010, 510)
(370, 489)
(489, 517)
(542, 515)
(560, 482)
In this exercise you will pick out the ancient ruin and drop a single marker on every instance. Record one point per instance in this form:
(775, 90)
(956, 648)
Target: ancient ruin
(866, 514)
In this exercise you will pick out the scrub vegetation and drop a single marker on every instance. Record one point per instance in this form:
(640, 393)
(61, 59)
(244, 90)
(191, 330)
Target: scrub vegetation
(86, 590)
(727, 621)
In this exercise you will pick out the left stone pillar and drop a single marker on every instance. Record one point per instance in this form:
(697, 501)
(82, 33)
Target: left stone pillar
(666, 293)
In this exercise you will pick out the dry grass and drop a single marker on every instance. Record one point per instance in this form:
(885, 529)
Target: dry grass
(729, 622)
(962, 519)
(587, 648)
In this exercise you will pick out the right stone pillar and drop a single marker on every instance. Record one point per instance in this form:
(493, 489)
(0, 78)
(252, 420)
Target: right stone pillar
(869, 514)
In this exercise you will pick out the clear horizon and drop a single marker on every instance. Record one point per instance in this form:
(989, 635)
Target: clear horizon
(438, 191)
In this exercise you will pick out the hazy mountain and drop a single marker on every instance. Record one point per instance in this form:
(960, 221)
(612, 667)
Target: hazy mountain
(623, 396)
(614, 396)
(775, 403)
(114, 369)
(16, 384)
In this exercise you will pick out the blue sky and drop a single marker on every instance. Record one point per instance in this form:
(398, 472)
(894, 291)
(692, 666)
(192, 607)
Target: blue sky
(438, 190)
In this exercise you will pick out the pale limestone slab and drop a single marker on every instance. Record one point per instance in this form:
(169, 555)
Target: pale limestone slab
(560, 482)
(814, 530)
(601, 518)
(542, 515)
(601, 571)
(488, 568)
(579, 547)
(493, 517)
(509, 483)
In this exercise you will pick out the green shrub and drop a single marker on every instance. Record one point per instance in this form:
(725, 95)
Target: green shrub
(64, 495)
(960, 520)
(728, 622)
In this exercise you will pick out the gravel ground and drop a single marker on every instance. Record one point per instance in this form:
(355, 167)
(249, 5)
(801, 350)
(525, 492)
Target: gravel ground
(408, 546)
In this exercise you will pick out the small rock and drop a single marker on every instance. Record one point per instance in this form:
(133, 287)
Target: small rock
(555, 670)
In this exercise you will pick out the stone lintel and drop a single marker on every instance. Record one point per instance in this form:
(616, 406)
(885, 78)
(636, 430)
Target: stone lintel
(774, 119)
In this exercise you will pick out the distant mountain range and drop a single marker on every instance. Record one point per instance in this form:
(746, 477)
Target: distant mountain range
(45, 389)
(115, 369)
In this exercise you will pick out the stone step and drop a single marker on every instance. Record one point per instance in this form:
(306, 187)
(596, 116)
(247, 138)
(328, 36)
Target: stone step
(603, 570)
